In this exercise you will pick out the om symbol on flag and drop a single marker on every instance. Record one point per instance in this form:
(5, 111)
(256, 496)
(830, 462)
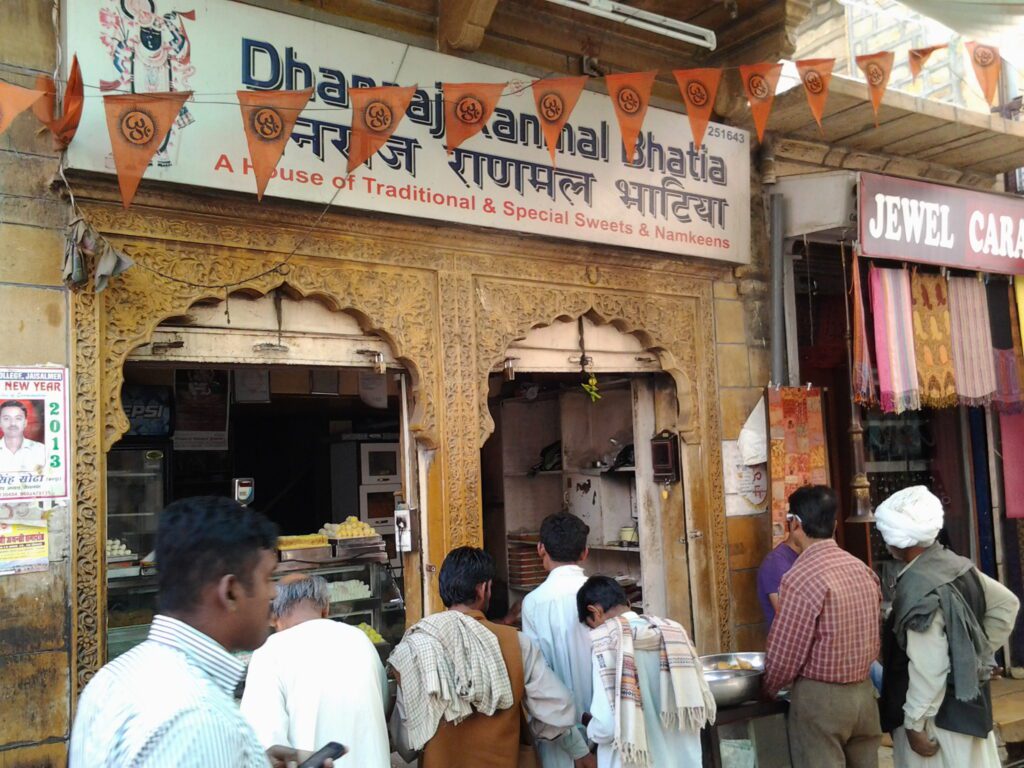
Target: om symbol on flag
(469, 110)
(137, 128)
(629, 101)
(813, 82)
(552, 107)
(759, 87)
(697, 92)
(267, 123)
(378, 116)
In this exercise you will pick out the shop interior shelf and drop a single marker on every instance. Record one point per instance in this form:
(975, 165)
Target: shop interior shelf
(359, 604)
(907, 465)
(616, 548)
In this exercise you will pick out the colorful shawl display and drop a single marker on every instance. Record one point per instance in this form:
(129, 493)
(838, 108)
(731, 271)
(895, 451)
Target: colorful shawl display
(972, 341)
(933, 346)
(1008, 383)
(686, 700)
(863, 379)
(894, 340)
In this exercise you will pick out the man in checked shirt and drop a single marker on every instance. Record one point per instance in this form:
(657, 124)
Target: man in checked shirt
(823, 640)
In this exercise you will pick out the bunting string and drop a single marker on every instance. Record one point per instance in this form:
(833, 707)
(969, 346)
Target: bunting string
(138, 123)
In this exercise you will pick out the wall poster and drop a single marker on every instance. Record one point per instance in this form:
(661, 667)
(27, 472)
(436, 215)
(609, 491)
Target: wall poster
(797, 450)
(34, 441)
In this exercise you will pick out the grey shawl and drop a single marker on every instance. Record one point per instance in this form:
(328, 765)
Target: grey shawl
(928, 587)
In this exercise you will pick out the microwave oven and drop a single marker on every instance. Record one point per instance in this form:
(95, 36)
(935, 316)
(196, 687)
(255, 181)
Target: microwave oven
(377, 506)
(379, 464)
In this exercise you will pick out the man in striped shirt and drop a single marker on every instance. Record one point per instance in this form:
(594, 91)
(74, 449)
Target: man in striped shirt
(823, 641)
(169, 702)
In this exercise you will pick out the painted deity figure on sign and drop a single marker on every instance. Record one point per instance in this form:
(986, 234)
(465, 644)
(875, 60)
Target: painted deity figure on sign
(151, 53)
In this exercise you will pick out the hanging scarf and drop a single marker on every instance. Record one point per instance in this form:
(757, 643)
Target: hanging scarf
(863, 380)
(1018, 347)
(894, 340)
(932, 342)
(450, 666)
(686, 701)
(1018, 289)
(972, 341)
(1008, 383)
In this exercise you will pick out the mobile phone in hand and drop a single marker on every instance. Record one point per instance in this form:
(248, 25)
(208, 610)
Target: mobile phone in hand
(332, 750)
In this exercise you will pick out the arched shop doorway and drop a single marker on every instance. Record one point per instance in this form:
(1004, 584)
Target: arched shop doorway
(561, 442)
(294, 408)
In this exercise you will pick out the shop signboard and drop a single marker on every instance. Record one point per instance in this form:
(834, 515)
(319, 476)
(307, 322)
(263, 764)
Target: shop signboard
(34, 442)
(908, 220)
(671, 198)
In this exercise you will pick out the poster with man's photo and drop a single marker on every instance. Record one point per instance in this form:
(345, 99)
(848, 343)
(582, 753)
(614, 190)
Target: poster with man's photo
(33, 433)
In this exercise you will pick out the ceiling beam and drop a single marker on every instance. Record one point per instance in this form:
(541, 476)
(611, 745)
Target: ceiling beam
(462, 24)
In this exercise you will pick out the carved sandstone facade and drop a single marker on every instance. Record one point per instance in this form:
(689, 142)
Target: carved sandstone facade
(449, 306)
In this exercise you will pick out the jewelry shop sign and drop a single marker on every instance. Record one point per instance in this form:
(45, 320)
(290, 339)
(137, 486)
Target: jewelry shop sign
(671, 198)
(34, 441)
(909, 220)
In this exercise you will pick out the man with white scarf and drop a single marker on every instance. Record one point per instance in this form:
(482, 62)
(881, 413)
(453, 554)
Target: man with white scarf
(465, 684)
(947, 620)
(650, 698)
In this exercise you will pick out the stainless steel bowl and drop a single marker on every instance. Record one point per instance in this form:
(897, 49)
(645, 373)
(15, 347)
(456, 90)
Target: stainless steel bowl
(734, 686)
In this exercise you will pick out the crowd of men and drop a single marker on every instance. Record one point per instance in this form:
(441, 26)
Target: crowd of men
(587, 683)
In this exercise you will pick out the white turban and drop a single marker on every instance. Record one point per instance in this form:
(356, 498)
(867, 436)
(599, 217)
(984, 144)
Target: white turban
(910, 518)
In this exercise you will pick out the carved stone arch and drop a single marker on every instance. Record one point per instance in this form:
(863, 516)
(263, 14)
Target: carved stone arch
(393, 306)
(507, 314)
(400, 305)
(506, 310)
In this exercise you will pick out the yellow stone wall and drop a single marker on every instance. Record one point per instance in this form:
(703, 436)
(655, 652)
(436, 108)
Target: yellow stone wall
(742, 343)
(34, 630)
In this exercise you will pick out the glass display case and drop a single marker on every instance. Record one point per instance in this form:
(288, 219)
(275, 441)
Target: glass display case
(361, 593)
(137, 489)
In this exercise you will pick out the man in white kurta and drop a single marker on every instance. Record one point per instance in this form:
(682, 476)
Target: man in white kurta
(550, 618)
(317, 680)
(910, 521)
(668, 747)
(929, 670)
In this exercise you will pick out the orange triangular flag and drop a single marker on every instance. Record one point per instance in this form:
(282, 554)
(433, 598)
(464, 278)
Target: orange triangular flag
(63, 126)
(467, 108)
(816, 74)
(987, 64)
(268, 118)
(698, 87)
(376, 113)
(138, 123)
(876, 68)
(13, 101)
(759, 81)
(555, 100)
(918, 57)
(631, 96)
(44, 108)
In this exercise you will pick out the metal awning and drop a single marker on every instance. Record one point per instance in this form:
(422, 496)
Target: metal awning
(908, 126)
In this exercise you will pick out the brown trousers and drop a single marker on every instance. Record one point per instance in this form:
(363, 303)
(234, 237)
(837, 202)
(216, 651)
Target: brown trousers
(832, 725)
